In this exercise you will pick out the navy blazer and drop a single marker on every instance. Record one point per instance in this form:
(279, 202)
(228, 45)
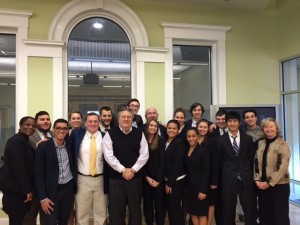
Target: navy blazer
(46, 169)
(74, 141)
(232, 166)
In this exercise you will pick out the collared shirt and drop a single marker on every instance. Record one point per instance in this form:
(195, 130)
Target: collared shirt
(42, 134)
(65, 174)
(194, 123)
(238, 138)
(103, 128)
(83, 161)
(223, 131)
(125, 132)
(112, 160)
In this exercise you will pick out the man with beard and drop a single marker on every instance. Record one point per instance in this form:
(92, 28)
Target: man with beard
(106, 119)
(41, 134)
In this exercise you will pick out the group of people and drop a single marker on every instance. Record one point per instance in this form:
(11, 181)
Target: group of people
(194, 167)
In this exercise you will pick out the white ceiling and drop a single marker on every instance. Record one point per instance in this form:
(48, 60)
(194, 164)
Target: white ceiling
(251, 5)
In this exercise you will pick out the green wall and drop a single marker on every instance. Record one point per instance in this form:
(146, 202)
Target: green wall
(254, 46)
(40, 83)
(154, 90)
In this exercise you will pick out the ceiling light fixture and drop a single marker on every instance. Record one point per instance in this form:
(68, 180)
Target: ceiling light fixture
(97, 25)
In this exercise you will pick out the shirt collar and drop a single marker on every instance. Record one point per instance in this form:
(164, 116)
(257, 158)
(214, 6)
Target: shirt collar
(123, 131)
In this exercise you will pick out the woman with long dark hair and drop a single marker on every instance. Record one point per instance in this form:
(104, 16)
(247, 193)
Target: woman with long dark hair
(153, 171)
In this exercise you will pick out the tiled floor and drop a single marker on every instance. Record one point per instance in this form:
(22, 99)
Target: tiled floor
(294, 216)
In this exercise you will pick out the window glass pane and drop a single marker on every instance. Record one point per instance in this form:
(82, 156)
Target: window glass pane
(99, 71)
(192, 77)
(291, 74)
(7, 87)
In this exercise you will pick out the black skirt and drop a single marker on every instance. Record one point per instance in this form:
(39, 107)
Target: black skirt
(194, 205)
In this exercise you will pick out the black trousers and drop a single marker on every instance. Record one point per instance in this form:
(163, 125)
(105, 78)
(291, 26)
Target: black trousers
(14, 207)
(31, 215)
(124, 193)
(63, 204)
(247, 199)
(275, 204)
(174, 205)
(154, 204)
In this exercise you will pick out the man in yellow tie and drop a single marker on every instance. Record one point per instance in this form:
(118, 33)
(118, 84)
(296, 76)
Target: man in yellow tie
(86, 145)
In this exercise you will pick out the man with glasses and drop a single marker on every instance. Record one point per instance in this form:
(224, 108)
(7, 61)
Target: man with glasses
(54, 176)
(134, 105)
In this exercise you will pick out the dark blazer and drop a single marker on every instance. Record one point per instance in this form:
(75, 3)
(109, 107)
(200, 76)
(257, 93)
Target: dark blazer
(231, 165)
(188, 123)
(46, 169)
(198, 168)
(174, 166)
(74, 141)
(17, 172)
(138, 119)
(216, 132)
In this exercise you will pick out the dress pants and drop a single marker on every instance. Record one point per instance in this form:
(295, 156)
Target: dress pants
(275, 204)
(247, 199)
(90, 196)
(63, 204)
(174, 203)
(31, 215)
(14, 206)
(154, 203)
(124, 193)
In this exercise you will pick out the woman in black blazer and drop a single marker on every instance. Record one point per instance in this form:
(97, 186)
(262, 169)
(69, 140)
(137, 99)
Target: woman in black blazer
(153, 172)
(174, 173)
(198, 167)
(16, 179)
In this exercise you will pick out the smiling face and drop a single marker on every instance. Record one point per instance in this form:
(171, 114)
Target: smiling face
(60, 131)
(250, 119)
(172, 130)
(28, 127)
(151, 114)
(202, 128)
(233, 126)
(197, 113)
(105, 117)
(134, 106)
(270, 130)
(221, 122)
(192, 137)
(92, 123)
(75, 120)
(43, 123)
(153, 127)
(179, 116)
(125, 120)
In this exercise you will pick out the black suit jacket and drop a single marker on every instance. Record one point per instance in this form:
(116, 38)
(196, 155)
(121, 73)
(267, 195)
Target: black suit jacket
(17, 172)
(232, 166)
(138, 119)
(46, 169)
(174, 166)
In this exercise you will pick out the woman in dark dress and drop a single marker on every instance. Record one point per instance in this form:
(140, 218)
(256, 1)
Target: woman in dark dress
(198, 167)
(153, 172)
(175, 173)
(206, 140)
(16, 179)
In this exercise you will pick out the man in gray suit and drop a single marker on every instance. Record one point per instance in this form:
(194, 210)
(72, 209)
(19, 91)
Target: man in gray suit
(41, 134)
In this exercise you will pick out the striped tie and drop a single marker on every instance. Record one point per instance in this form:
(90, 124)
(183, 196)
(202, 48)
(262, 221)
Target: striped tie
(235, 146)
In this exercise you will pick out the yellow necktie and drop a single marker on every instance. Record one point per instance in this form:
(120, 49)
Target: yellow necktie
(93, 155)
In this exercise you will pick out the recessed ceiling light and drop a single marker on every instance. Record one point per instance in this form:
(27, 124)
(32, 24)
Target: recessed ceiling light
(98, 25)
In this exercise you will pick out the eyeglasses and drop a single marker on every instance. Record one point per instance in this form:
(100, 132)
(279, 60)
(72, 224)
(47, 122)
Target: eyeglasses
(134, 106)
(61, 128)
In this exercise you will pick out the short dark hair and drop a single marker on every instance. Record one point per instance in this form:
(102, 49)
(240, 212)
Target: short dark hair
(23, 119)
(221, 112)
(90, 114)
(40, 113)
(132, 100)
(174, 121)
(249, 111)
(233, 115)
(60, 120)
(105, 108)
(179, 110)
(75, 112)
(196, 104)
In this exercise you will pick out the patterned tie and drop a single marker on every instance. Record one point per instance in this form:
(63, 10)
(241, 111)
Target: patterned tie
(45, 136)
(235, 146)
(224, 131)
(93, 155)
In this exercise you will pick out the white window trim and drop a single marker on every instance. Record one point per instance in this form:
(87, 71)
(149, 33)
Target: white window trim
(205, 35)
(16, 22)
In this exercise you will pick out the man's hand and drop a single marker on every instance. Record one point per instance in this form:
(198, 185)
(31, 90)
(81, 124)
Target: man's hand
(128, 173)
(168, 190)
(201, 196)
(28, 197)
(47, 205)
(151, 182)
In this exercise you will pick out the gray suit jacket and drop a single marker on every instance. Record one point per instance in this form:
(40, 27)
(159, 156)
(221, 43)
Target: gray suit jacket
(35, 138)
